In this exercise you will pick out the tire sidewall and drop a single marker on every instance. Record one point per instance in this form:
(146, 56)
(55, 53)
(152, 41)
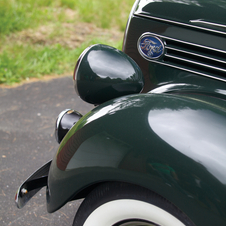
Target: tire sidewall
(115, 192)
(120, 210)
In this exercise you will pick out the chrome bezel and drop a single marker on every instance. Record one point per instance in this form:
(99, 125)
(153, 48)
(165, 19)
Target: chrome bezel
(60, 116)
(128, 23)
(62, 127)
(148, 34)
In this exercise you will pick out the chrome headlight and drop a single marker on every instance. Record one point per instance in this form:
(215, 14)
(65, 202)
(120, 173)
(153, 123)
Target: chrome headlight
(65, 120)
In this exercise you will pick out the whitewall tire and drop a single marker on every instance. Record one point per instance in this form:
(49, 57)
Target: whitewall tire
(120, 204)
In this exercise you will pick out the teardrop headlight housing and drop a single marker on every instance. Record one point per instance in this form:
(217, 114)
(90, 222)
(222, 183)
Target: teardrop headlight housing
(103, 73)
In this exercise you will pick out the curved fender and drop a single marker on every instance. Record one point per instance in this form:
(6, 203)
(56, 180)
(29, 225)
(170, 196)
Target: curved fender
(173, 145)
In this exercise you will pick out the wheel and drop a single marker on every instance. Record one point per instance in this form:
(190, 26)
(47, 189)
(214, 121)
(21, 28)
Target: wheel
(122, 204)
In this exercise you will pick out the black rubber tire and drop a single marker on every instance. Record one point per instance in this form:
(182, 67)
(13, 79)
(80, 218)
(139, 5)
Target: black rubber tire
(112, 191)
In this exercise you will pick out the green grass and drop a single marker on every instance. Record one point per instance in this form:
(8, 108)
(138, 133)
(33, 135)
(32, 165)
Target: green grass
(104, 13)
(25, 58)
(16, 15)
(29, 62)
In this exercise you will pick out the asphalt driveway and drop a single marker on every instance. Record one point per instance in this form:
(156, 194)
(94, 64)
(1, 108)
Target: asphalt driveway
(27, 118)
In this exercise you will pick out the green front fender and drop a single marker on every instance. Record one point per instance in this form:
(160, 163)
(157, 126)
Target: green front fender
(173, 145)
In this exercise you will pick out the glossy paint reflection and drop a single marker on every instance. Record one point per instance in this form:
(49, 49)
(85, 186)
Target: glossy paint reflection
(109, 66)
(117, 105)
(191, 132)
(186, 10)
(190, 88)
(104, 73)
(162, 142)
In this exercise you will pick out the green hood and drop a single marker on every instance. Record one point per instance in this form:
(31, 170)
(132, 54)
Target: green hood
(204, 13)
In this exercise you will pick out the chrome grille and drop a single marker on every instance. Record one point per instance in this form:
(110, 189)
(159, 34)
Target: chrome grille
(196, 58)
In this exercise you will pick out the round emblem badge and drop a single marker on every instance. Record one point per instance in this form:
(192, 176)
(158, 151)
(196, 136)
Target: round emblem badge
(150, 47)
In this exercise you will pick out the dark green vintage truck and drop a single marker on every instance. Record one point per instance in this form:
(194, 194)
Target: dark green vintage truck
(153, 150)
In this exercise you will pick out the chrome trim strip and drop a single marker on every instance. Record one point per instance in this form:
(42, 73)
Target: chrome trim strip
(184, 42)
(195, 54)
(128, 23)
(200, 21)
(196, 63)
(184, 68)
(178, 23)
(189, 70)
